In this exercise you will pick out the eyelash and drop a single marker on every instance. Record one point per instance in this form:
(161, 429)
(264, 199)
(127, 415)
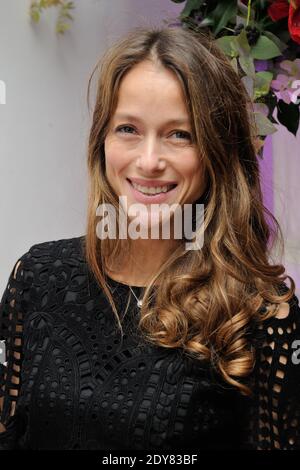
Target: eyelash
(187, 134)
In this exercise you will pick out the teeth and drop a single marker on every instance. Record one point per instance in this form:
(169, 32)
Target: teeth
(151, 190)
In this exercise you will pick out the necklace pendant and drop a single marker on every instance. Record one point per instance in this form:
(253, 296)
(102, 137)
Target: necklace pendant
(139, 303)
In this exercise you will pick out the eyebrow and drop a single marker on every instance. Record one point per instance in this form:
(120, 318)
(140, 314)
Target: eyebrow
(130, 117)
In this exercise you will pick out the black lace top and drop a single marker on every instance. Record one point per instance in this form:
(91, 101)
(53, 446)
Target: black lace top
(67, 380)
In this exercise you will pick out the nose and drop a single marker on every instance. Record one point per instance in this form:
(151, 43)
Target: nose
(150, 158)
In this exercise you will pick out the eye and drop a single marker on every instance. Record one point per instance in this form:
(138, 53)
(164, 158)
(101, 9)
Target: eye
(120, 128)
(186, 135)
(124, 130)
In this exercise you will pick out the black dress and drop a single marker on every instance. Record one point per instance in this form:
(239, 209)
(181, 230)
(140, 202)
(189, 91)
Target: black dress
(70, 381)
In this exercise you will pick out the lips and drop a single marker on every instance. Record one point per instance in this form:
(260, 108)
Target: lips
(157, 184)
(151, 198)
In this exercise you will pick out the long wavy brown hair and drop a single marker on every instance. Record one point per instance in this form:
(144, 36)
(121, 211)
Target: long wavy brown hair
(203, 301)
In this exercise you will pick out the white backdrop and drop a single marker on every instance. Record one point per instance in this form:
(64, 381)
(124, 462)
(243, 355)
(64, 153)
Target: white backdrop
(286, 192)
(44, 125)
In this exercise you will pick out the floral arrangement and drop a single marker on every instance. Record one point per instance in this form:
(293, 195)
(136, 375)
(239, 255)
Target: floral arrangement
(262, 40)
(62, 25)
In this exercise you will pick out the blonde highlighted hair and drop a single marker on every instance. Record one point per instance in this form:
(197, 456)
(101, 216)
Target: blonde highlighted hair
(203, 301)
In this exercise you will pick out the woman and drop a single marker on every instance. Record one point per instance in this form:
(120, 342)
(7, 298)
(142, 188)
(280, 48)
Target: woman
(140, 343)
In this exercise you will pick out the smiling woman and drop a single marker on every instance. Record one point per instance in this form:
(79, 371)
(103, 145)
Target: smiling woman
(151, 129)
(209, 359)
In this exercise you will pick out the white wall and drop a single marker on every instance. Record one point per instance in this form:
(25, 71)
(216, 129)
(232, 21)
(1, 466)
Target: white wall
(286, 186)
(44, 123)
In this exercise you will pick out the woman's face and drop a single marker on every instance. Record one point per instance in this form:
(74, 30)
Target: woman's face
(149, 140)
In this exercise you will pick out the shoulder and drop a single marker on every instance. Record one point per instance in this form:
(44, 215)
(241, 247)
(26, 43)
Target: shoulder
(50, 259)
(280, 330)
(61, 248)
(287, 314)
(277, 339)
(48, 251)
(275, 380)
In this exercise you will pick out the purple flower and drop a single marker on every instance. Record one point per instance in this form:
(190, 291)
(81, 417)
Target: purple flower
(261, 65)
(286, 88)
(292, 67)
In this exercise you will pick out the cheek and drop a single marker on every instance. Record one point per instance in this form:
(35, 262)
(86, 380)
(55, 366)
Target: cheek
(190, 166)
(194, 175)
(115, 159)
(110, 150)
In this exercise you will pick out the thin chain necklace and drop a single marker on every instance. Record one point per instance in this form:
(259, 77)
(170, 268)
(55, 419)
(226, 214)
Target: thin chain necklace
(139, 301)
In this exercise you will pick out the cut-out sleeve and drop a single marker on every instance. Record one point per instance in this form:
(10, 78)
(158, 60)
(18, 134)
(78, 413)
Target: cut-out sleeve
(11, 321)
(275, 415)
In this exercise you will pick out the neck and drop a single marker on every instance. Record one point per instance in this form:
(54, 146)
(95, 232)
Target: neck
(144, 261)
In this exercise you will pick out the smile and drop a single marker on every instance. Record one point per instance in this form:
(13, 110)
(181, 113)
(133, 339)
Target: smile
(151, 194)
(152, 190)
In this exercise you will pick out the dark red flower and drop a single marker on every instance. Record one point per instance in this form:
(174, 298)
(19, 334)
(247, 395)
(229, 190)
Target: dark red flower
(278, 9)
(282, 8)
(294, 20)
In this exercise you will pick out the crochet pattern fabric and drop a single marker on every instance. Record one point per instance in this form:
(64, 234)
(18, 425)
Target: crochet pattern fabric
(70, 381)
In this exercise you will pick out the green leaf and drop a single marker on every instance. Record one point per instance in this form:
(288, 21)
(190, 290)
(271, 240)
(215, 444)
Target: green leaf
(266, 75)
(190, 6)
(249, 84)
(261, 108)
(68, 15)
(264, 125)
(262, 3)
(234, 64)
(62, 27)
(247, 64)
(227, 44)
(35, 16)
(242, 43)
(288, 116)
(245, 59)
(280, 44)
(265, 49)
(220, 16)
(262, 84)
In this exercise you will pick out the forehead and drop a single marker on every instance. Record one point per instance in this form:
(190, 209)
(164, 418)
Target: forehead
(152, 87)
